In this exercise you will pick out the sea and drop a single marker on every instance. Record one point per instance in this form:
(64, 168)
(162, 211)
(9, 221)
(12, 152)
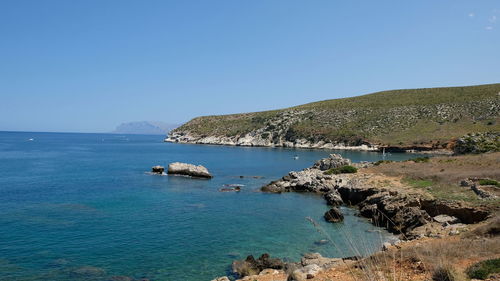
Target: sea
(77, 206)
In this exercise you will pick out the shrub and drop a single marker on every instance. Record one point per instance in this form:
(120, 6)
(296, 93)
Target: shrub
(444, 273)
(342, 170)
(489, 182)
(420, 159)
(382, 162)
(482, 270)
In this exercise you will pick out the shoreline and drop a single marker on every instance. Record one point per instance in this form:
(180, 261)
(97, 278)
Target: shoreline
(411, 215)
(307, 145)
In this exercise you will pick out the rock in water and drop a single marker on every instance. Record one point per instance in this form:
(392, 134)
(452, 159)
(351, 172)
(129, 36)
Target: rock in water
(158, 169)
(191, 170)
(334, 215)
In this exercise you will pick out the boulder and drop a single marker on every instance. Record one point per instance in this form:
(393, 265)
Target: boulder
(386, 246)
(445, 220)
(334, 161)
(318, 259)
(334, 215)
(307, 272)
(252, 266)
(191, 170)
(333, 198)
(157, 169)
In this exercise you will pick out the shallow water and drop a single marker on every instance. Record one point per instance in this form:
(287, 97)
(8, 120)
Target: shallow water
(74, 200)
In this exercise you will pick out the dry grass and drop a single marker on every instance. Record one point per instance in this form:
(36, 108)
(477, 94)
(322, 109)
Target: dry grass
(441, 176)
(445, 169)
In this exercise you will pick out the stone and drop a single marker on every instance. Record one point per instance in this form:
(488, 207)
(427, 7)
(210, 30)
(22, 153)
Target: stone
(307, 272)
(157, 169)
(191, 170)
(445, 220)
(252, 266)
(334, 215)
(334, 161)
(319, 260)
(333, 198)
(386, 246)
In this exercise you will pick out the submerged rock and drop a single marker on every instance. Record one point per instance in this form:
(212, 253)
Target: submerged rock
(87, 271)
(334, 215)
(120, 278)
(229, 189)
(191, 170)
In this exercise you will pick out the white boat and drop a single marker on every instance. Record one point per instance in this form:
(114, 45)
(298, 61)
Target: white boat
(31, 139)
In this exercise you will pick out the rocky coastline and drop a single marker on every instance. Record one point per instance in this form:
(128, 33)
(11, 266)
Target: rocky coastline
(406, 212)
(411, 214)
(255, 140)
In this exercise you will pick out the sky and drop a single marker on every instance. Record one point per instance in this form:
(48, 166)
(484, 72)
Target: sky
(89, 65)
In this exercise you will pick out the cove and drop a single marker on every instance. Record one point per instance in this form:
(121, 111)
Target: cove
(73, 201)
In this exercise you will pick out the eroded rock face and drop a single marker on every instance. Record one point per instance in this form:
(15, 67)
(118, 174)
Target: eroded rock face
(191, 170)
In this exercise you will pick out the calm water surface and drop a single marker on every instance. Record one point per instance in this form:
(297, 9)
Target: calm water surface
(69, 201)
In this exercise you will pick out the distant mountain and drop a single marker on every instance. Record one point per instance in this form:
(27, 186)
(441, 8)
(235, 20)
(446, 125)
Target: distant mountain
(145, 128)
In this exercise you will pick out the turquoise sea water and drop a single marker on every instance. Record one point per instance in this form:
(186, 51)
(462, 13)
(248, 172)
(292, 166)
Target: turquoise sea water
(69, 201)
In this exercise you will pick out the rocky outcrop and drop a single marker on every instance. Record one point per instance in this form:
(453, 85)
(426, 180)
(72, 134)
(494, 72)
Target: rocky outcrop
(184, 169)
(332, 162)
(252, 266)
(334, 215)
(478, 143)
(399, 211)
(310, 265)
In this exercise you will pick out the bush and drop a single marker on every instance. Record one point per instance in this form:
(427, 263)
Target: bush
(482, 270)
(382, 162)
(489, 182)
(443, 274)
(342, 170)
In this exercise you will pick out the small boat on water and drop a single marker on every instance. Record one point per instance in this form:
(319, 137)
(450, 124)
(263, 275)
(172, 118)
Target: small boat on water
(296, 157)
(31, 139)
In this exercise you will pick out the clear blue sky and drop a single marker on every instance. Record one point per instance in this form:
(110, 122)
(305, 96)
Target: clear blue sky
(88, 65)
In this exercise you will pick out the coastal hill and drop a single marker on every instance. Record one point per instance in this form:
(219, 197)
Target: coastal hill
(144, 128)
(415, 118)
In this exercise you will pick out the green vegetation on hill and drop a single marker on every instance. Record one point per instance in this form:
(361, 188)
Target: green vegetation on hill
(399, 118)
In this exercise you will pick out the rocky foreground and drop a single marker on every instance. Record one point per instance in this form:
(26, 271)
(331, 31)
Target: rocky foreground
(412, 213)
